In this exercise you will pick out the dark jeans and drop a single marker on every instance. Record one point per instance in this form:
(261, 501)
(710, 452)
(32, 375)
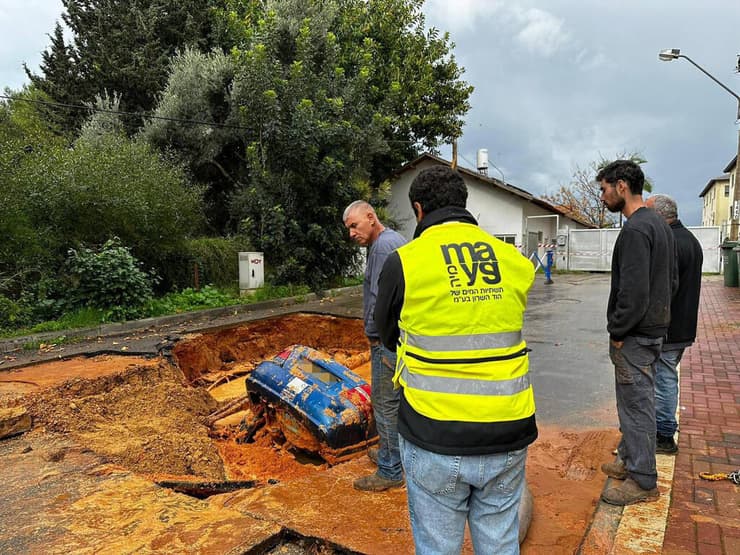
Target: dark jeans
(385, 409)
(634, 369)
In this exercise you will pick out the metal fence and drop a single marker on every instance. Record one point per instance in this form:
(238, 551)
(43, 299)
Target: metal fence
(591, 249)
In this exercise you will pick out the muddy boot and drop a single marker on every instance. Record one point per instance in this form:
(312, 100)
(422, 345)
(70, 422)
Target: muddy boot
(665, 445)
(375, 482)
(615, 470)
(628, 493)
(372, 454)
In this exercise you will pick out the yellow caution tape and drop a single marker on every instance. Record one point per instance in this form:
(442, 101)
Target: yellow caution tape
(733, 476)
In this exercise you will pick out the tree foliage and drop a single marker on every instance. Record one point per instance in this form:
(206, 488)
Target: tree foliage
(581, 198)
(328, 97)
(56, 195)
(119, 46)
(199, 88)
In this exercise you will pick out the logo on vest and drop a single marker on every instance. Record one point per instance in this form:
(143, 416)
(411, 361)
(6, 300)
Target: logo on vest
(468, 262)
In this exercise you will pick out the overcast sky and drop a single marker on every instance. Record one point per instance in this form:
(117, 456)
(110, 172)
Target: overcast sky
(558, 84)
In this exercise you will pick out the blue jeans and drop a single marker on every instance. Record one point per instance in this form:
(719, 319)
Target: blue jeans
(385, 409)
(634, 369)
(666, 391)
(445, 491)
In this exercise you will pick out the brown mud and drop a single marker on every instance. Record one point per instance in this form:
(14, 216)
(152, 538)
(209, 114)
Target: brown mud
(150, 418)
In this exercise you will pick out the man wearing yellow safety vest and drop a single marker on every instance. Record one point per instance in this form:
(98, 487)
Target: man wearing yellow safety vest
(451, 302)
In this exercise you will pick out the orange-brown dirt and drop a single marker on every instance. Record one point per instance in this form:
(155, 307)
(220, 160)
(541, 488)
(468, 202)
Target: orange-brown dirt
(151, 418)
(563, 474)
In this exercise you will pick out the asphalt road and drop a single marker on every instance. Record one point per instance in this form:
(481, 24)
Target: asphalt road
(565, 326)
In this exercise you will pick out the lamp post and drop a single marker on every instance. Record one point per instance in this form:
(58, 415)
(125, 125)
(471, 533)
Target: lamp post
(673, 54)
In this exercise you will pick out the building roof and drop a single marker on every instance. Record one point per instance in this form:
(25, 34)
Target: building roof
(712, 181)
(731, 164)
(508, 187)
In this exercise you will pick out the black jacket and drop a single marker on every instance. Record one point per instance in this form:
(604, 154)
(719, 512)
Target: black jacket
(685, 305)
(644, 277)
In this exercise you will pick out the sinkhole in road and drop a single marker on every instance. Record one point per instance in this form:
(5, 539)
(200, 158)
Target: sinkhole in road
(151, 416)
(165, 418)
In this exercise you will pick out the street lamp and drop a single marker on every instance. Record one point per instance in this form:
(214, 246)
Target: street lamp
(673, 54)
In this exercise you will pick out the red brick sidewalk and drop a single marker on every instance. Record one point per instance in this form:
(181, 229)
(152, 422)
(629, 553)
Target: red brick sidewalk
(704, 516)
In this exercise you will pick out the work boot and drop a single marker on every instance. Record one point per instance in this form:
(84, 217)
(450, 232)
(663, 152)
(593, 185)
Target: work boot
(372, 454)
(666, 445)
(628, 493)
(615, 470)
(375, 482)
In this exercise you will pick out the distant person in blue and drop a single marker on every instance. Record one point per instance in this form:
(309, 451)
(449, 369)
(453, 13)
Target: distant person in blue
(644, 279)
(682, 331)
(366, 230)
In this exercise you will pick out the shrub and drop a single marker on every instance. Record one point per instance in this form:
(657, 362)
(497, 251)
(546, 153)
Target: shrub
(110, 278)
(13, 314)
(190, 299)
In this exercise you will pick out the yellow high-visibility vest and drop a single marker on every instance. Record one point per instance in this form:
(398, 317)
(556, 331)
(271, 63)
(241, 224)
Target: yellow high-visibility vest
(461, 355)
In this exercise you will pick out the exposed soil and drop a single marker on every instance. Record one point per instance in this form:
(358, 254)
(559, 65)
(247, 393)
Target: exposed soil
(146, 419)
(151, 418)
(563, 474)
(208, 357)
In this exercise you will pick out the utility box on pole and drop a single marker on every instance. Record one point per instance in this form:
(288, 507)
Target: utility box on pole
(251, 271)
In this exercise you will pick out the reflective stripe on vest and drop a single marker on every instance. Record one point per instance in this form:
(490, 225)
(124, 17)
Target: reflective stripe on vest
(476, 342)
(440, 384)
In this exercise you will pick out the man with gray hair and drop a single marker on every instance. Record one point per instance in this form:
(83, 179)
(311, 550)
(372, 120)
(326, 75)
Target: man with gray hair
(682, 329)
(366, 230)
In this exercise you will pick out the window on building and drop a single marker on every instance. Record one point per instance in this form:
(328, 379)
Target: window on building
(727, 190)
(511, 239)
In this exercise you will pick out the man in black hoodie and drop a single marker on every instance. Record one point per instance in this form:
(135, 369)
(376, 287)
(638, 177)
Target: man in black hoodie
(643, 280)
(682, 331)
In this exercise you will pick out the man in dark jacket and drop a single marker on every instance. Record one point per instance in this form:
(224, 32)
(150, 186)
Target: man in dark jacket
(451, 303)
(638, 313)
(682, 331)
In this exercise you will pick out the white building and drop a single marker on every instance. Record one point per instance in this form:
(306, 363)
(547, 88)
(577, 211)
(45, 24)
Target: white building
(508, 212)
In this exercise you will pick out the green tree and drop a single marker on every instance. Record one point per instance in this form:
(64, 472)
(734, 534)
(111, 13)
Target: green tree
(327, 98)
(581, 198)
(415, 82)
(119, 46)
(199, 89)
(26, 137)
(310, 133)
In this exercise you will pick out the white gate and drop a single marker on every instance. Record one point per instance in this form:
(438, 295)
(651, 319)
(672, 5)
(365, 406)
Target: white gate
(709, 239)
(591, 249)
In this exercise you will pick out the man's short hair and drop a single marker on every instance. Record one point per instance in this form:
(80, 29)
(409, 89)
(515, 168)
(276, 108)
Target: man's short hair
(438, 187)
(357, 205)
(665, 206)
(626, 170)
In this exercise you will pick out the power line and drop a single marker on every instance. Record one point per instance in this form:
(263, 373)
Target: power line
(121, 113)
(150, 116)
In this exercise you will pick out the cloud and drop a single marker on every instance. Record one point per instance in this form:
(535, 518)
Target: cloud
(541, 32)
(532, 31)
(457, 15)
